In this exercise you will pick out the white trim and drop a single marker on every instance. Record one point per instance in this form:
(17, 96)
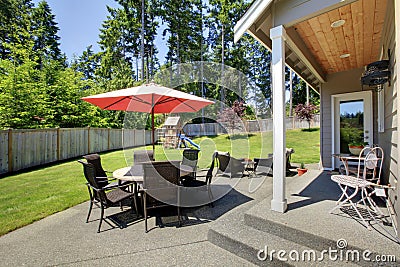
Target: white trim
(250, 17)
(279, 201)
(381, 102)
(381, 111)
(278, 32)
(332, 129)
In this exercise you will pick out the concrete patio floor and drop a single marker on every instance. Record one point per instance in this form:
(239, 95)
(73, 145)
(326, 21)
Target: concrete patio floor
(65, 239)
(230, 233)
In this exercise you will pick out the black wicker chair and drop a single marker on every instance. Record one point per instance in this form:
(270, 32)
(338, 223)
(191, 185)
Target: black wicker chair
(263, 165)
(101, 174)
(103, 179)
(140, 156)
(190, 158)
(161, 182)
(208, 175)
(104, 197)
(230, 166)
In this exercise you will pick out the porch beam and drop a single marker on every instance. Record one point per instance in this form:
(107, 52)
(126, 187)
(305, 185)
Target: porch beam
(288, 54)
(297, 46)
(261, 37)
(278, 37)
(262, 19)
(296, 63)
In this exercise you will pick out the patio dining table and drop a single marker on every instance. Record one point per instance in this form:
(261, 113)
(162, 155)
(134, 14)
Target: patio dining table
(135, 173)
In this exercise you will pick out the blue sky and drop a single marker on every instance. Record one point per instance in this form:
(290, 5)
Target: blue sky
(80, 22)
(351, 107)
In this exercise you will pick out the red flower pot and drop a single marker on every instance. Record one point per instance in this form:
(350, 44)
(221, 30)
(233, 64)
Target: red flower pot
(300, 172)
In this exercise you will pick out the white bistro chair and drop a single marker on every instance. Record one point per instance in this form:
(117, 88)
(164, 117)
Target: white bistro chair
(368, 174)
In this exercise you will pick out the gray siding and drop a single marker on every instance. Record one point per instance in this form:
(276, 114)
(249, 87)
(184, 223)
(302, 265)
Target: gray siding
(389, 138)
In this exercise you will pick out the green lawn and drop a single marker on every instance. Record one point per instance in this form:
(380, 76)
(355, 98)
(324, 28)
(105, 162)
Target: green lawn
(33, 195)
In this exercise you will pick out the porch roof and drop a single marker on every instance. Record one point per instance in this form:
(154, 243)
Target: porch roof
(314, 46)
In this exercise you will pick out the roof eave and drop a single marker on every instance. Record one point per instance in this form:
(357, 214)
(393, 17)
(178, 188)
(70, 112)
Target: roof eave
(251, 15)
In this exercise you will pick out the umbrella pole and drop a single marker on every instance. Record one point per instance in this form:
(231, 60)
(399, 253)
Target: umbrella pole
(152, 128)
(152, 122)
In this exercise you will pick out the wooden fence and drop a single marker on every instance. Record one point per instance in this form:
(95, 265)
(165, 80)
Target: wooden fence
(20, 149)
(263, 125)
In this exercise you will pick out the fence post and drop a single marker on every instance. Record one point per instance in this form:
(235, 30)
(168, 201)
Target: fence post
(145, 137)
(10, 151)
(123, 137)
(58, 143)
(88, 139)
(109, 130)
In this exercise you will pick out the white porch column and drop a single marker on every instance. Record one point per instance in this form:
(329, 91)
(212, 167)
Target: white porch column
(278, 36)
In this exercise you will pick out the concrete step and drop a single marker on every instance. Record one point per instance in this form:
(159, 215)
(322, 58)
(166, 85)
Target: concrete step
(308, 222)
(233, 235)
(262, 218)
(305, 228)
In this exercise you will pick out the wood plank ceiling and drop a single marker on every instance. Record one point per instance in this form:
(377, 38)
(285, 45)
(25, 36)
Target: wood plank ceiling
(360, 35)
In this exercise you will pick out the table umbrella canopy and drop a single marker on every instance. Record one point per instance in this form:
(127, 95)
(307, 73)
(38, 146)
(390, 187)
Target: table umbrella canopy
(143, 98)
(149, 98)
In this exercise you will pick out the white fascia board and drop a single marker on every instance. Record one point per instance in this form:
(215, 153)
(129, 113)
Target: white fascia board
(250, 17)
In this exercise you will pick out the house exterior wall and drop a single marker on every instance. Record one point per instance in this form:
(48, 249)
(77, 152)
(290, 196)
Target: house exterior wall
(337, 83)
(349, 81)
(389, 139)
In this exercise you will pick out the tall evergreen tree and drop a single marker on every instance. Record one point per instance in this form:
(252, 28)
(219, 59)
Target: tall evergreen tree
(120, 41)
(15, 29)
(87, 63)
(259, 59)
(45, 33)
(183, 29)
(220, 39)
(116, 55)
(185, 41)
(7, 11)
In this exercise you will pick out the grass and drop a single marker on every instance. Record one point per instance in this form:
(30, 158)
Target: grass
(30, 196)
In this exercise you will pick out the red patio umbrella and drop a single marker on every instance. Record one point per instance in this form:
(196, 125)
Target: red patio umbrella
(149, 98)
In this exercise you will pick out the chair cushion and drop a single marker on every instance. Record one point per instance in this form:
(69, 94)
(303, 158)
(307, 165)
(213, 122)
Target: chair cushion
(117, 195)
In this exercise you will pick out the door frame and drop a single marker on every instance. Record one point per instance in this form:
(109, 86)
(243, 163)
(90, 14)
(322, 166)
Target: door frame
(366, 96)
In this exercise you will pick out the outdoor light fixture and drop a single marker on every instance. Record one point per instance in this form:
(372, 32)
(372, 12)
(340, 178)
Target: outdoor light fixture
(344, 55)
(338, 23)
(376, 74)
